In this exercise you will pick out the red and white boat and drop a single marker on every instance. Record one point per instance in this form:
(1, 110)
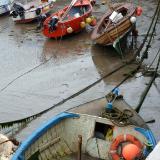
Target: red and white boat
(69, 20)
(26, 13)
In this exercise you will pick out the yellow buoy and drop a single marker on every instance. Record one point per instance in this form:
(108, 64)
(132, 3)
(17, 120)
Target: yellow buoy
(69, 30)
(45, 8)
(82, 24)
(88, 20)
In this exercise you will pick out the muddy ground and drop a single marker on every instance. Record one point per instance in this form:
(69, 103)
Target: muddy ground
(37, 72)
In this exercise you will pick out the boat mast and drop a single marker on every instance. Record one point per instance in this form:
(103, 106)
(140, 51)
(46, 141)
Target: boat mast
(68, 9)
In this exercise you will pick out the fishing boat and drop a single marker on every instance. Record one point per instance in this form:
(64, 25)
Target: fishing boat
(5, 6)
(115, 24)
(26, 13)
(69, 20)
(106, 128)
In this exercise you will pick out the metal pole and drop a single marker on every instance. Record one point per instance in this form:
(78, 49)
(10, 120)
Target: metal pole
(79, 147)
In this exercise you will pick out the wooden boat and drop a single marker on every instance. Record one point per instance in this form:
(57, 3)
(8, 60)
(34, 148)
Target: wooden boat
(67, 20)
(5, 6)
(108, 30)
(90, 131)
(26, 13)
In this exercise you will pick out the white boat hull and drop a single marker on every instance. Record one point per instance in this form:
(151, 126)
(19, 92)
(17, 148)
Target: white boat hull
(5, 6)
(4, 9)
(30, 14)
(155, 154)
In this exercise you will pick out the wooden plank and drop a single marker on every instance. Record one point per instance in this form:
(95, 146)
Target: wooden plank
(51, 142)
(104, 39)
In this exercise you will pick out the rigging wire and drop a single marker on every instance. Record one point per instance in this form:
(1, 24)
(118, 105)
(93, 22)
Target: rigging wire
(148, 87)
(149, 67)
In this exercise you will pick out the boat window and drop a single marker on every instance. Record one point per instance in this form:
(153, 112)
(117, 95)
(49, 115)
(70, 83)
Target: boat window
(103, 131)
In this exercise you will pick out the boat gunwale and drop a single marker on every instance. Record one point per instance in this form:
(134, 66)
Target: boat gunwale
(73, 18)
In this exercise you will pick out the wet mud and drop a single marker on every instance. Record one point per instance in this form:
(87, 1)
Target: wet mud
(37, 72)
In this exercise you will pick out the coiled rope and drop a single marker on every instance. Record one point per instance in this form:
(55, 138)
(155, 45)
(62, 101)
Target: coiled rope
(117, 117)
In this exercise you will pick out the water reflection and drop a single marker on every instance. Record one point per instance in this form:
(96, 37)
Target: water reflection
(107, 59)
(69, 47)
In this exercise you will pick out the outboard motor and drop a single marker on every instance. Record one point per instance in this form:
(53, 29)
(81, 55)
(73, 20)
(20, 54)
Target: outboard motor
(53, 23)
(38, 11)
(17, 10)
(14, 14)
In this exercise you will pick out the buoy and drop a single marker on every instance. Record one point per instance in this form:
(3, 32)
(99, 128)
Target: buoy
(133, 20)
(45, 8)
(94, 22)
(88, 20)
(130, 151)
(139, 11)
(82, 24)
(69, 30)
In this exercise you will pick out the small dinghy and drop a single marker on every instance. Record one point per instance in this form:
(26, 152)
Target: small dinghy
(69, 20)
(114, 24)
(92, 131)
(5, 6)
(26, 13)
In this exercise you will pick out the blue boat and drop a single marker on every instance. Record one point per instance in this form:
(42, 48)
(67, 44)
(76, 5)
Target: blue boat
(97, 130)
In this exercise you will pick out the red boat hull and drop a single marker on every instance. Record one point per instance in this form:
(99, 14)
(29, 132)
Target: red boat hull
(73, 22)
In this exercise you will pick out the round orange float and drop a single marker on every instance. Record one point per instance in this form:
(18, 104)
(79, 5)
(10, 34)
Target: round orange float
(122, 139)
(130, 151)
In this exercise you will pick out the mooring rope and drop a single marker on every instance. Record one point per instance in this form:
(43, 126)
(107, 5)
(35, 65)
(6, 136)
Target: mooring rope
(118, 117)
(148, 87)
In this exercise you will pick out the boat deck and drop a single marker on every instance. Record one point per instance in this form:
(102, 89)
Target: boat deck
(96, 107)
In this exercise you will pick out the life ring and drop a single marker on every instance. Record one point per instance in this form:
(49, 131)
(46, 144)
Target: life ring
(121, 139)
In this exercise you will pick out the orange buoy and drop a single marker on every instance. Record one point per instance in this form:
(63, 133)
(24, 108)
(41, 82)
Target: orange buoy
(122, 139)
(94, 22)
(130, 151)
(82, 24)
(139, 11)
